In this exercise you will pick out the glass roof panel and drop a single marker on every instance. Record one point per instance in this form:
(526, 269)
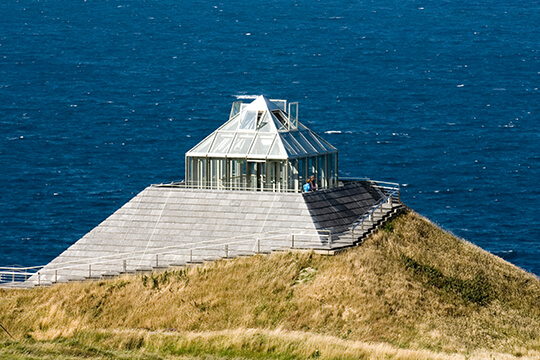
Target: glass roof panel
(222, 143)
(323, 142)
(242, 144)
(314, 142)
(231, 125)
(305, 144)
(248, 120)
(281, 117)
(277, 149)
(291, 150)
(262, 144)
(282, 104)
(264, 124)
(293, 115)
(293, 143)
(236, 106)
(279, 124)
(203, 146)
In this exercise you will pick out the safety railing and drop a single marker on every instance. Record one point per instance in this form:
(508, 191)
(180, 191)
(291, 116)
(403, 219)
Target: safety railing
(389, 192)
(17, 274)
(272, 187)
(220, 185)
(153, 258)
(240, 186)
(382, 187)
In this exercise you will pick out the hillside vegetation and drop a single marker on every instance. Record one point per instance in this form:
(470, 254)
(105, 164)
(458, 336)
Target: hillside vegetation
(411, 291)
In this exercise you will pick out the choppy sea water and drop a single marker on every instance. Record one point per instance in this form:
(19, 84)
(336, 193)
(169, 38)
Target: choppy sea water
(99, 99)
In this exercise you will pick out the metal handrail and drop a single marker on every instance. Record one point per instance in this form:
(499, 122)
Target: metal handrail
(232, 186)
(23, 274)
(227, 186)
(373, 182)
(392, 190)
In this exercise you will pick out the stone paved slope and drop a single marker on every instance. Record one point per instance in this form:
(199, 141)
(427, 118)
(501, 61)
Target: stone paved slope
(165, 226)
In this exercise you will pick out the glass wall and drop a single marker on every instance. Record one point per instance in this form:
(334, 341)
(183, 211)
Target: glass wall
(261, 175)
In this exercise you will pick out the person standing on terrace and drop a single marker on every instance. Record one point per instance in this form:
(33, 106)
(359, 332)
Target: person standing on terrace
(312, 183)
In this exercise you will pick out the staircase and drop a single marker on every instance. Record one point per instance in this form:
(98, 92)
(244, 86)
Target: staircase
(386, 208)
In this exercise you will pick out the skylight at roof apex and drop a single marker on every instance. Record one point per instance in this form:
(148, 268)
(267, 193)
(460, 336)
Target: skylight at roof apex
(260, 103)
(250, 116)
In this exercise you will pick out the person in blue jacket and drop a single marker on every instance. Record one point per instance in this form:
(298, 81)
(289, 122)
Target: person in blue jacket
(310, 185)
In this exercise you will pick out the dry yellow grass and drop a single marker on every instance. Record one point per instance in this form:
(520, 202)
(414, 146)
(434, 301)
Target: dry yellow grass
(411, 291)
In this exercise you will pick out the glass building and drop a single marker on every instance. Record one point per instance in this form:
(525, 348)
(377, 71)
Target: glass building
(262, 147)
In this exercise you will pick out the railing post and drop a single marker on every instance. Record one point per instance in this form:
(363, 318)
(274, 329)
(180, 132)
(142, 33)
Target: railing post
(39, 279)
(89, 270)
(292, 240)
(258, 246)
(13, 276)
(125, 266)
(191, 255)
(330, 238)
(55, 275)
(226, 251)
(157, 260)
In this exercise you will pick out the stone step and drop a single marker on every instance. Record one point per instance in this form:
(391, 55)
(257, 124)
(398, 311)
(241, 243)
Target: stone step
(369, 226)
(159, 267)
(20, 285)
(110, 274)
(178, 264)
(342, 243)
(211, 258)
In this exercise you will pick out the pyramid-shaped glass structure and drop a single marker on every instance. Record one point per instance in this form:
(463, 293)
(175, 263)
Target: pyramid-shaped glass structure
(262, 147)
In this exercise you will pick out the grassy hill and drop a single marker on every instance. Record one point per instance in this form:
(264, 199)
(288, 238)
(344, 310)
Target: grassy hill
(411, 291)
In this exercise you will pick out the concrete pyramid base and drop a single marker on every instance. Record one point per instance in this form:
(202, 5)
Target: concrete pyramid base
(173, 226)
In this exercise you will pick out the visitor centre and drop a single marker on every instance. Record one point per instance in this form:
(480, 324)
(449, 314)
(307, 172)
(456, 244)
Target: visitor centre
(262, 147)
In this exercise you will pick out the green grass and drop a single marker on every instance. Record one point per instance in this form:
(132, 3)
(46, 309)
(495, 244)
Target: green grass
(246, 344)
(477, 290)
(411, 291)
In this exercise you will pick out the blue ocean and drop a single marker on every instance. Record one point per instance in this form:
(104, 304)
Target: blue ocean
(101, 98)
